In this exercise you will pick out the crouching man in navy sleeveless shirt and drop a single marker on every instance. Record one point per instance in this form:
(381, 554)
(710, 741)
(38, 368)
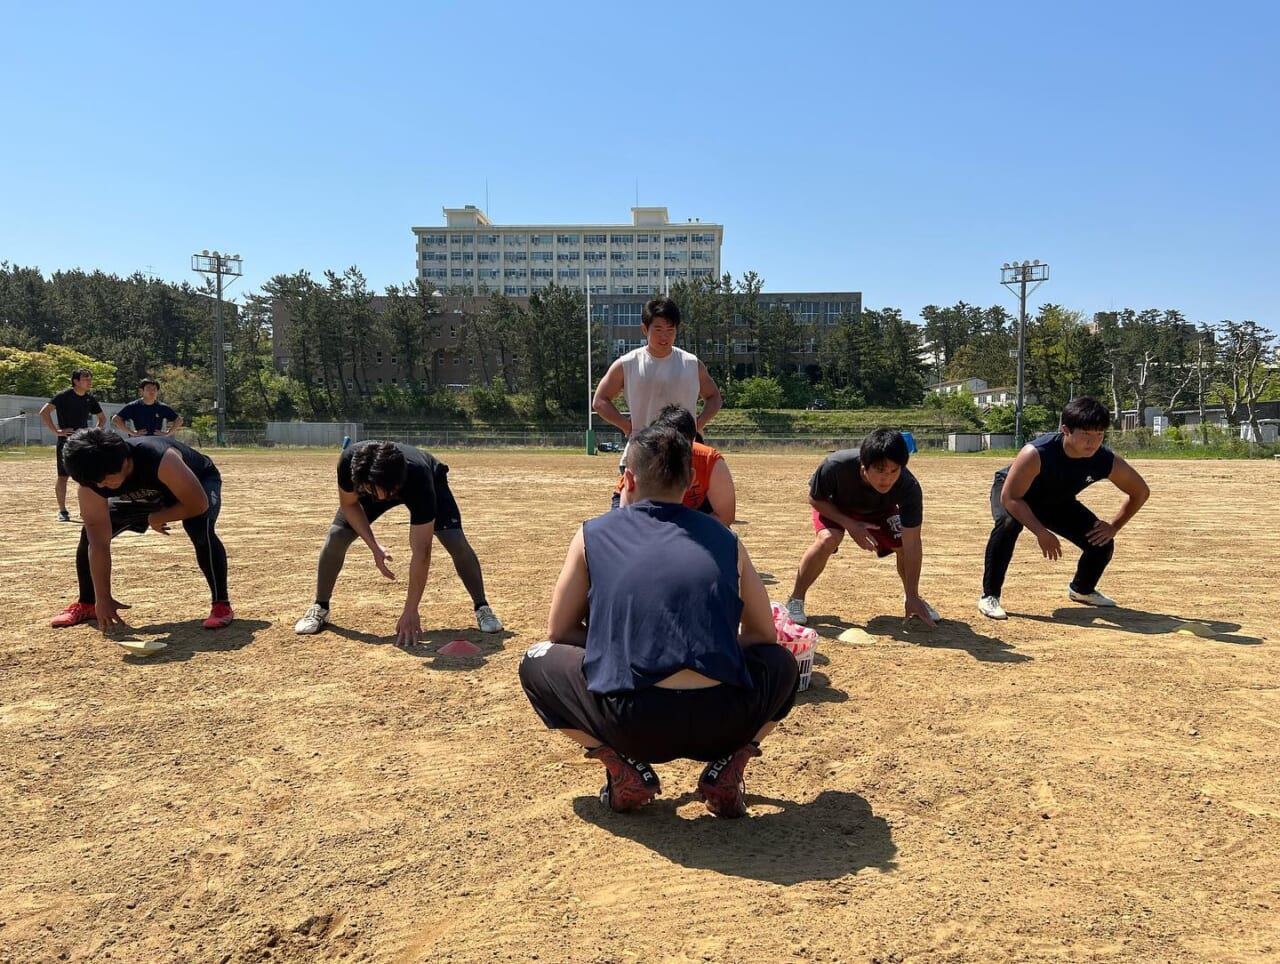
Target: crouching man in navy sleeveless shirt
(1038, 492)
(130, 485)
(661, 641)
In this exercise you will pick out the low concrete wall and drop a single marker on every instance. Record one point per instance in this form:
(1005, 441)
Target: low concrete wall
(313, 433)
(29, 406)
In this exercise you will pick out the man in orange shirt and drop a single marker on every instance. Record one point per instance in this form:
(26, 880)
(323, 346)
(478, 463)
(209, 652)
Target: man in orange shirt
(711, 491)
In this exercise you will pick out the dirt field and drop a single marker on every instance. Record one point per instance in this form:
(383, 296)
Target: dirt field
(1069, 785)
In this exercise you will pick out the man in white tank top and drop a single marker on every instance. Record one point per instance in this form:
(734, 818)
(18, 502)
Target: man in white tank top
(656, 375)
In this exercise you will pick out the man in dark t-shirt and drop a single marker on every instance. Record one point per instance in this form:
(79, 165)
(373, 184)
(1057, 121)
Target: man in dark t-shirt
(145, 415)
(870, 494)
(132, 485)
(1039, 492)
(372, 478)
(73, 406)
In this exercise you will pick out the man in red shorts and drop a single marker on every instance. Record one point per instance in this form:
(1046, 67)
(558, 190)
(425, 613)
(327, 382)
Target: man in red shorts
(870, 494)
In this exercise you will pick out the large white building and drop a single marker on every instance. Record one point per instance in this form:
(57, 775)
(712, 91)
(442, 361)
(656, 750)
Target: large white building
(471, 255)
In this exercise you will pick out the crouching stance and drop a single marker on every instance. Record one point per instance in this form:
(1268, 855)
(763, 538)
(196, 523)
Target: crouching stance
(1038, 492)
(372, 478)
(128, 485)
(672, 652)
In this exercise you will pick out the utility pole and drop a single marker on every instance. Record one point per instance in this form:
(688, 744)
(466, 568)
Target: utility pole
(1016, 277)
(218, 265)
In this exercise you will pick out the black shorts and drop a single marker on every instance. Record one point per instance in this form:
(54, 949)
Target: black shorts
(448, 515)
(62, 469)
(656, 724)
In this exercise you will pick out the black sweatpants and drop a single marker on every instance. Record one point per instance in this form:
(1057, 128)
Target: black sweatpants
(211, 555)
(1071, 520)
(656, 725)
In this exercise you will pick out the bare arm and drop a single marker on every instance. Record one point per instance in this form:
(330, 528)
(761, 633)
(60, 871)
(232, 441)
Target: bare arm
(912, 559)
(859, 532)
(409, 626)
(709, 392)
(606, 392)
(1023, 471)
(722, 494)
(757, 613)
(96, 514)
(353, 512)
(1125, 478)
(173, 426)
(102, 419)
(46, 416)
(186, 488)
(569, 599)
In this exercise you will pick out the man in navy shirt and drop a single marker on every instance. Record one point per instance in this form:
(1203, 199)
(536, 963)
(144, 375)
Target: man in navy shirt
(73, 406)
(146, 415)
(661, 643)
(870, 494)
(130, 485)
(1038, 492)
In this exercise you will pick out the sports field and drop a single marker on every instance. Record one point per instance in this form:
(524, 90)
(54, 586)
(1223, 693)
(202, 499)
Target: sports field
(1072, 784)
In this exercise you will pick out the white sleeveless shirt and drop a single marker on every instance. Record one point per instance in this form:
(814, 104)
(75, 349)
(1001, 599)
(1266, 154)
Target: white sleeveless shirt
(650, 384)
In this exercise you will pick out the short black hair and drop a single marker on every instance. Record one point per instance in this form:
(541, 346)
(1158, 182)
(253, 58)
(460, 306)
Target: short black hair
(660, 458)
(660, 307)
(92, 454)
(80, 373)
(883, 445)
(1086, 413)
(679, 418)
(378, 463)
(147, 381)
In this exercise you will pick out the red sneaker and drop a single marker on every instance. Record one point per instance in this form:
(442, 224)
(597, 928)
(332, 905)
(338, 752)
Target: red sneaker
(722, 787)
(74, 615)
(629, 785)
(220, 615)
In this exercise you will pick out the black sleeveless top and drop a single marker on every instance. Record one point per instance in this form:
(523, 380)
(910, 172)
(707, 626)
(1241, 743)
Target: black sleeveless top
(143, 483)
(1061, 477)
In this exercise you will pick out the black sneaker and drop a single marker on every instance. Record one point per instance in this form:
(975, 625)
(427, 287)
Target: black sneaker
(629, 784)
(722, 787)
(64, 515)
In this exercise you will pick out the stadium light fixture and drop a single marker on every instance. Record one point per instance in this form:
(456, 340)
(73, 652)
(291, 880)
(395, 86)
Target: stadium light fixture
(1016, 277)
(219, 266)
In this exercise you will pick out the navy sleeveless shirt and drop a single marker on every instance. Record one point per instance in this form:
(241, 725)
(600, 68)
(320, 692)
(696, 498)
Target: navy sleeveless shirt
(663, 597)
(1061, 477)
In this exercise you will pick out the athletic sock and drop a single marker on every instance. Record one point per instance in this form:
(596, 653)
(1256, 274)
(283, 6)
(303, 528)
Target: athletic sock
(322, 603)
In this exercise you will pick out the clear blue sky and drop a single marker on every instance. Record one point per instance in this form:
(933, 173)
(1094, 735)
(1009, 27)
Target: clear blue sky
(904, 151)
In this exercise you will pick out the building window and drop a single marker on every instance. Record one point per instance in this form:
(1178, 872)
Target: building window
(542, 256)
(594, 238)
(513, 240)
(541, 238)
(567, 238)
(622, 238)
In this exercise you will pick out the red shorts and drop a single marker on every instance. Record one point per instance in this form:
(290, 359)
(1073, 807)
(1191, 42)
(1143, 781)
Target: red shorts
(888, 536)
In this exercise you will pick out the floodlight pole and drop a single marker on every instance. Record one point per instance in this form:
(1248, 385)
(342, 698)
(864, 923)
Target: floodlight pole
(1011, 275)
(218, 265)
(591, 432)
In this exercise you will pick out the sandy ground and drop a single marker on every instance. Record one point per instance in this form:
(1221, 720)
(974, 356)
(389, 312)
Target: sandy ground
(1071, 784)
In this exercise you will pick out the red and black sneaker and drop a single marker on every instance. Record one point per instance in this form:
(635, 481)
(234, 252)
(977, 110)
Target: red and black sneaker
(74, 615)
(722, 787)
(630, 784)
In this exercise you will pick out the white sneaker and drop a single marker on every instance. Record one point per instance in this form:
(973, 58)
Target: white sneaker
(795, 611)
(489, 623)
(312, 620)
(1094, 598)
(990, 607)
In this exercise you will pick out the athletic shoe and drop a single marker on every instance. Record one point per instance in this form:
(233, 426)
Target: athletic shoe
(220, 615)
(722, 787)
(795, 611)
(74, 615)
(489, 623)
(312, 620)
(629, 784)
(64, 515)
(1094, 598)
(990, 607)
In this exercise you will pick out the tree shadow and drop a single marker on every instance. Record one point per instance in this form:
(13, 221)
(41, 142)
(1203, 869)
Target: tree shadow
(429, 645)
(1143, 623)
(831, 836)
(183, 640)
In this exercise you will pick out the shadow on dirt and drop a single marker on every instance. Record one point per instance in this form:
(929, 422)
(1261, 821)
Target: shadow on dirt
(829, 837)
(183, 640)
(430, 643)
(1144, 623)
(949, 634)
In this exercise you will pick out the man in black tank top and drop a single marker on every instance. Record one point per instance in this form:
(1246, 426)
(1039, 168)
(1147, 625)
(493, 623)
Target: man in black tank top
(1038, 492)
(132, 485)
(673, 653)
